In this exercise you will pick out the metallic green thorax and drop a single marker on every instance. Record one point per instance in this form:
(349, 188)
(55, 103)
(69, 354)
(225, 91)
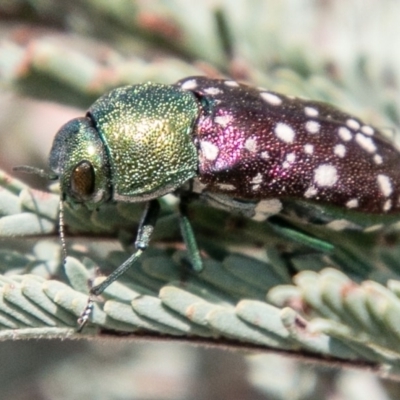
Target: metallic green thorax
(147, 132)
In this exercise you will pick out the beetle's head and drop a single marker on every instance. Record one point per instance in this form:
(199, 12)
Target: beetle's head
(79, 160)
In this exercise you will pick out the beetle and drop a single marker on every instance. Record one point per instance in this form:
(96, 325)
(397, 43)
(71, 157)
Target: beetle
(239, 148)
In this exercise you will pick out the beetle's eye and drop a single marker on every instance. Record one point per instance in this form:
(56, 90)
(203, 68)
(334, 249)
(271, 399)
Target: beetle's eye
(82, 180)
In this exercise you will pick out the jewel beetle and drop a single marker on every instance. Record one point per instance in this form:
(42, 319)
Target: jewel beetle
(237, 147)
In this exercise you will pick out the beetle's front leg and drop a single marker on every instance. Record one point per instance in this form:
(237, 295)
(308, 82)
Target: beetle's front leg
(146, 228)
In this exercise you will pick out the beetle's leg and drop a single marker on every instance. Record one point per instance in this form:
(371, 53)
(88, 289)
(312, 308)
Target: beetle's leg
(188, 236)
(284, 229)
(146, 228)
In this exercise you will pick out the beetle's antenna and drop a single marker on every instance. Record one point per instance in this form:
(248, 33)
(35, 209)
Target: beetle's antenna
(61, 231)
(50, 176)
(36, 171)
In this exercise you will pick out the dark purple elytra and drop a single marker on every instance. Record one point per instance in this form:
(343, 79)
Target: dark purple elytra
(256, 144)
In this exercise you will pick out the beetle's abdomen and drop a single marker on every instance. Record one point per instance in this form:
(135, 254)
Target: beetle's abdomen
(254, 144)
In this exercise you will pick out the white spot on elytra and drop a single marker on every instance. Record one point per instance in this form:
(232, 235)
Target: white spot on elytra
(384, 185)
(212, 91)
(290, 159)
(226, 186)
(345, 134)
(284, 132)
(313, 126)
(378, 159)
(189, 85)
(264, 155)
(223, 120)
(266, 208)
(271, 98)
(257, 179)
(251, 144)
(340, 150)
(353, 124)
(210, 151)
(309, 148)
(231, 83)
(311, 111)
(310, 192)
(388, 205)
(366, 143)
(353, 203)
(368, 130)
(325, 175)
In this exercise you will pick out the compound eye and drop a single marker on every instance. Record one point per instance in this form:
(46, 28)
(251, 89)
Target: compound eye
(82, 180)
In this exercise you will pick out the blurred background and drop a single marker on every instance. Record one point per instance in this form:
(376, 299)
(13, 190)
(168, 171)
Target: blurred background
(56, 57)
